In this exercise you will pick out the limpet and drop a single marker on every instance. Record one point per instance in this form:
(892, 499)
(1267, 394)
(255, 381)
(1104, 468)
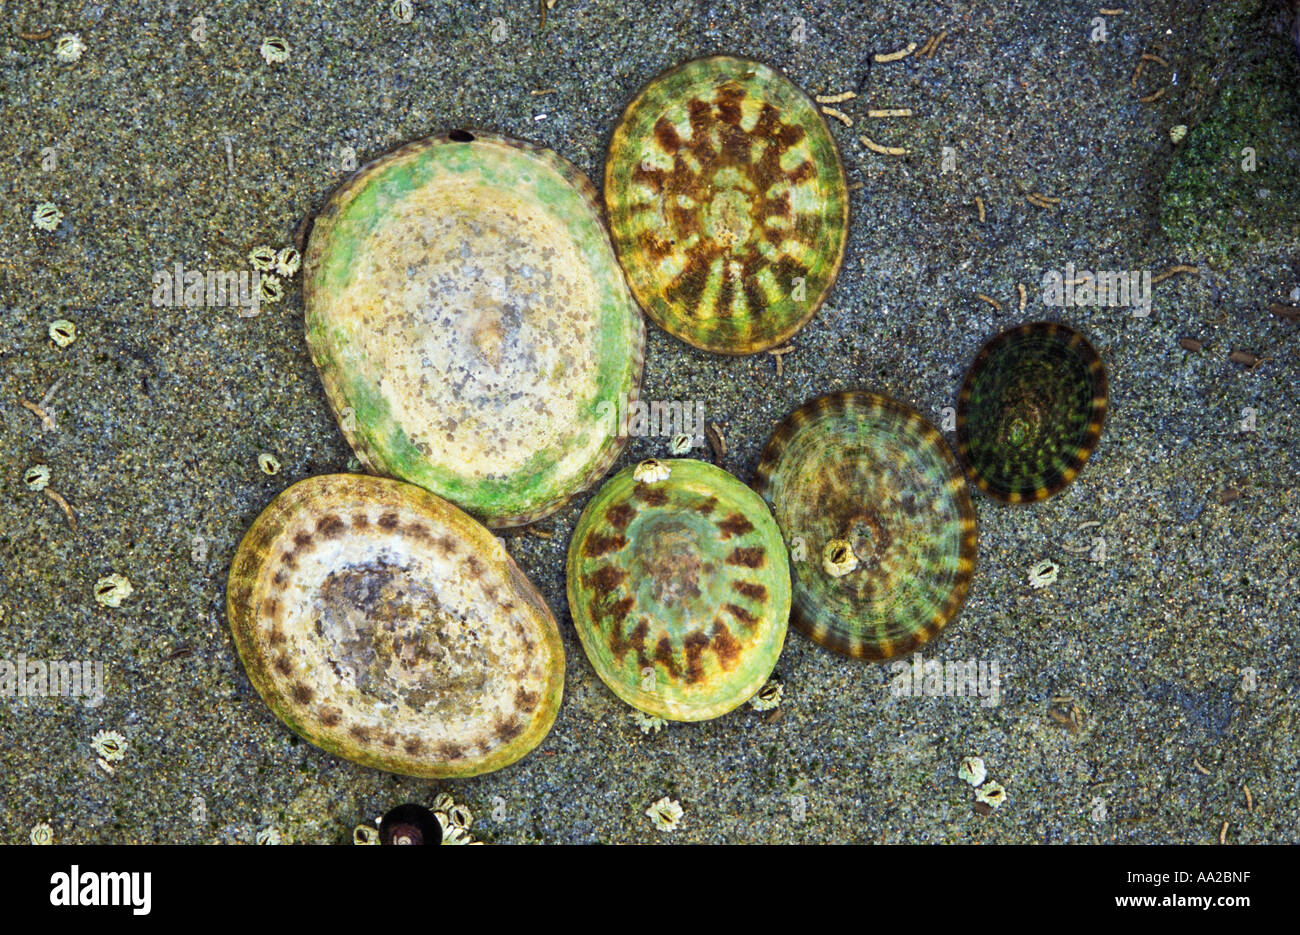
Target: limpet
(388, 627)
(1030, 411)
(727, 204)
(463, 301)
(679, 589)
(868, 491)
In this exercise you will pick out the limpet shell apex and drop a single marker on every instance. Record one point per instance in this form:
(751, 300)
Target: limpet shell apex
(388, 627)
(679, 590)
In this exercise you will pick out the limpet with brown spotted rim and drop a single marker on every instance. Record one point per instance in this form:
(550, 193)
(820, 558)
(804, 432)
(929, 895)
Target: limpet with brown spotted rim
(388, 627)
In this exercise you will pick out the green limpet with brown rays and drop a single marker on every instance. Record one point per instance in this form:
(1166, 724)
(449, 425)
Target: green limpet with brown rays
(727, 204)
(679, 587)
(471, 324)
(879, 520)
(390, 628)
(1030, 411)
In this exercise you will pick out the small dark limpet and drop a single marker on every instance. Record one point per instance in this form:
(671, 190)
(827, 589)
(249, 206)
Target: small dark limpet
(1030, 411)
(727, 204)
(679, 588)
(879, 521)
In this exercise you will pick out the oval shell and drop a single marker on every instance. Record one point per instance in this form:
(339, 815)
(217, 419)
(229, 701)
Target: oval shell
(388, 627)
(727, 204)
(880, 521)
(1030, 411)
(679, 589)
(471, 324)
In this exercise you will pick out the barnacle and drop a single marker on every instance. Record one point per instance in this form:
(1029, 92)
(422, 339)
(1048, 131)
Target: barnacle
(648, 723)
(768, 697)
(109, 744)
(268, 835)
(68, 47)
(46, 216)
(651, 471)
(42, 833)
(665, 813)
(992, 794)
(287, 261)
(112, 590)
(262, 258)
(37, 477)
(62, 332)
(274, 49)
(1043, 573)
(971, 769)
(269, 463)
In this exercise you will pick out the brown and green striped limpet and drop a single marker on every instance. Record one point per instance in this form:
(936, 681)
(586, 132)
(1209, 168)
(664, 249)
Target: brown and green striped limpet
(727, 204)
(879, 519)
(388, 627)
(471, 324)
(679, 588)
(1030, 411)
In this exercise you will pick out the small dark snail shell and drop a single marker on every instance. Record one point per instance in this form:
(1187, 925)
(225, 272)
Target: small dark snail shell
(410, 824)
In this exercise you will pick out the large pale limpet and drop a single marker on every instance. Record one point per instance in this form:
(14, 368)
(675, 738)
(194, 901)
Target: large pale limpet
(386, 626)
(471, 324)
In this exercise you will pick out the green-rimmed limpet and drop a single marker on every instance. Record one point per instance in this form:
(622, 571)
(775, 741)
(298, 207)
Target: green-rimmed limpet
(464, 302)
(869, 490)
(386, 626)
(727, 204)
(679, 587)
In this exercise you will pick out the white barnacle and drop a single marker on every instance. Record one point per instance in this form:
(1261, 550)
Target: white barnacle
(665, 813)
(767, 697)
(63, 332)
(1043, 573)
(648, 723)
(37, 477)
(47, 216)
(991, 794)
(681, 444)
(109, 744)
(269, 463)
(651, 471)
(1176, 133)
(364, 834)
(268, 835)
(442, 802)
(271, 289)
(287, 262)
(971, 769)
(274, 50)
(112, 590)
(42, 833)
(838, 558)
(460, 817)
(262, 258)
(456, 835)
(68, 47)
